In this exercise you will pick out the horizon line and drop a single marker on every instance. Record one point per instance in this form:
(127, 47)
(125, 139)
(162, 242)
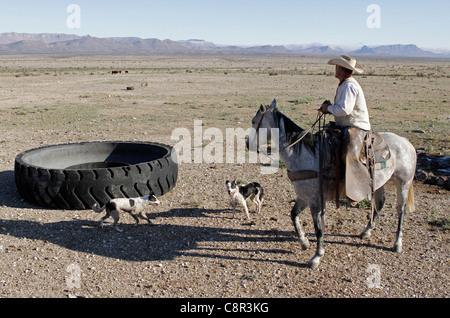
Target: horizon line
(311, 44)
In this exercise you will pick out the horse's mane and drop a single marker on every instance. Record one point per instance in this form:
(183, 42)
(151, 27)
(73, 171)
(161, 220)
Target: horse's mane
(294, 132)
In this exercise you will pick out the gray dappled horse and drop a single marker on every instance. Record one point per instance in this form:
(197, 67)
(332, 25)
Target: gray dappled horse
(304, 156)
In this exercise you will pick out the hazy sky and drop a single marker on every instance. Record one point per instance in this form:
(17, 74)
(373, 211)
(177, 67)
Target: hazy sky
(252, 22)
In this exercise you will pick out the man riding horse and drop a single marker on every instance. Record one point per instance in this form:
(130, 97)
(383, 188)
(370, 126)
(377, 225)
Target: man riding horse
(352, 117)
(388, 156)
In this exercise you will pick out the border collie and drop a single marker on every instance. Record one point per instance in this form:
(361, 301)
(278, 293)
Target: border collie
(240, 193)
(133, 206)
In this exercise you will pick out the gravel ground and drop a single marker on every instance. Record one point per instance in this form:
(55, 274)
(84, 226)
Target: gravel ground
(195, 247)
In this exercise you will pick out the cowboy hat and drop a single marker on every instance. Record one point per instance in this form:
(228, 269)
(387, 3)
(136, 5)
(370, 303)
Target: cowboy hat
(347, 62)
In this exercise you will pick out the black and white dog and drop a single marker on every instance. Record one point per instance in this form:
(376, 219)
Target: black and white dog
(133, 206)
(240, 193)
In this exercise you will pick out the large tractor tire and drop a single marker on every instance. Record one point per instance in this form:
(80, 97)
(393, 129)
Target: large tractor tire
(76, 176)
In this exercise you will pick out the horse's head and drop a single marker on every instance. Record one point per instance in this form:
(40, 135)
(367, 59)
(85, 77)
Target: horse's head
(265, 119)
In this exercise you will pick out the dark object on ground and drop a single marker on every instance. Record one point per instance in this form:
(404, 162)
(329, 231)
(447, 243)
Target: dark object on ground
(433, 170)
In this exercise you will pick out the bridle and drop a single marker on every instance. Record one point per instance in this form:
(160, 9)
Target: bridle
(304, 134)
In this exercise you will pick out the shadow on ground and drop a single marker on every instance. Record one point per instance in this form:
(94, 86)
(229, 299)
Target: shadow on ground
(145, 242)
(148, 242)
(9, 196)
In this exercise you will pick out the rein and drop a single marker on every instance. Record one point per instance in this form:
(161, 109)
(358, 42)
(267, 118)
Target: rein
(319, 117)
(306, 174)
(312, 174)
(321, 161)
(304, 134)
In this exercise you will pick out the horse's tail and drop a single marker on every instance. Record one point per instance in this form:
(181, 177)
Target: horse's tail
(410, 201)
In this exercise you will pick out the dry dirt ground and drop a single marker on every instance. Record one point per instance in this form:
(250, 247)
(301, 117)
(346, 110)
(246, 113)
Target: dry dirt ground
(195, 248)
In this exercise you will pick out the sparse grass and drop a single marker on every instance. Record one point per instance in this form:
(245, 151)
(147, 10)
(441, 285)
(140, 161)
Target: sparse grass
(222, 98)
(197, 228)
(302, 100)
(194, 203)
(23, 111)
(440, 222)
(364, 204)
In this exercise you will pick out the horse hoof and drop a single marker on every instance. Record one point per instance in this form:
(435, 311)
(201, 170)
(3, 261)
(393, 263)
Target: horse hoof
(305, 245)
(314, 262)
(364, 235)
(397, 248)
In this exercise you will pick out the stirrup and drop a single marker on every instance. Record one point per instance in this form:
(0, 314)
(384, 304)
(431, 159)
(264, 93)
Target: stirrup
(351, 202)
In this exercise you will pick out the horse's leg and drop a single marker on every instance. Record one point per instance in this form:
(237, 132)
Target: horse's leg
(403, 193)
(317, 215)
(379, 203)
(299, 206)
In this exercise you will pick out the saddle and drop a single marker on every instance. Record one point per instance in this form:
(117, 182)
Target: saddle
(381, 151)
(375, 150)
(355, 166)
(374, 154)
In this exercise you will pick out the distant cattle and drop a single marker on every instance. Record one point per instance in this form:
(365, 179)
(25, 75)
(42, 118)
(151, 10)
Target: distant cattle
(119, 72)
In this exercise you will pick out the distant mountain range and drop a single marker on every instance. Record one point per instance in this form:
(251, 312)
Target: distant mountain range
(49, 43)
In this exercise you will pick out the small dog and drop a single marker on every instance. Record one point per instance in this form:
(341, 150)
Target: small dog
(134, 206)
(240, 193)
